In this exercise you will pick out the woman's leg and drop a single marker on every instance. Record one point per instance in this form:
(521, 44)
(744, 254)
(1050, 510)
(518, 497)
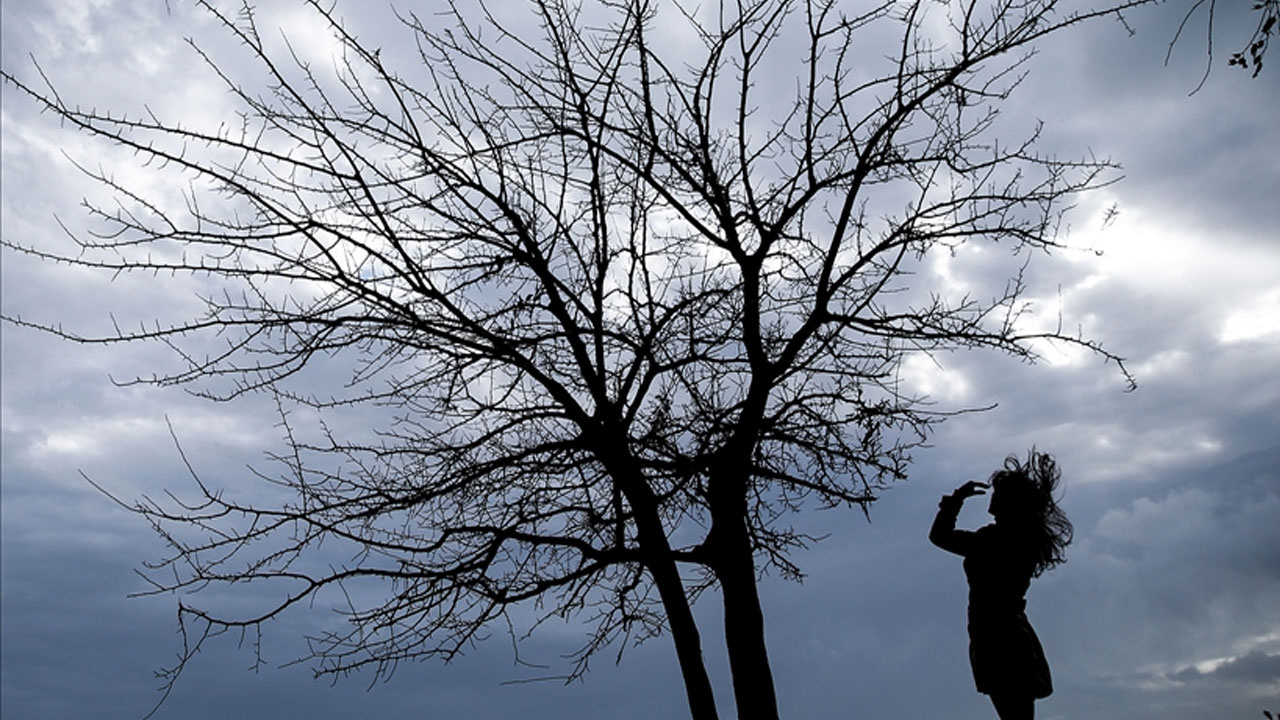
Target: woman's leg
(1014, 707)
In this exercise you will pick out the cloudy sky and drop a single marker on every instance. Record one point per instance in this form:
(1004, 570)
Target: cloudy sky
(1169, 605)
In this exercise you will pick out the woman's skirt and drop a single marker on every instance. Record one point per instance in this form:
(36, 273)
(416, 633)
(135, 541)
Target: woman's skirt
(1007, 658)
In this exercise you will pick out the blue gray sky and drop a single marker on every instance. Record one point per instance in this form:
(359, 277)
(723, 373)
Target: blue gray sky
(1168, 606)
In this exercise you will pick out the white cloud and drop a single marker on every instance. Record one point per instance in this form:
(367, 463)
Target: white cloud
(931, 375)
(1256, 320)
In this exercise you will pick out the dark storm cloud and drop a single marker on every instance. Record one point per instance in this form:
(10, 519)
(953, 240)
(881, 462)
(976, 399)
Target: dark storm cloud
(1164, 609)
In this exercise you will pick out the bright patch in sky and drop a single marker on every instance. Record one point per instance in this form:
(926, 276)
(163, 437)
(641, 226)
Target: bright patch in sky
(925, 374)
(94, 438)
(1255, 321)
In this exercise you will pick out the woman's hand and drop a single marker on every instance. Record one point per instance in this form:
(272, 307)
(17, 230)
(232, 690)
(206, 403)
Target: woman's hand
(969, 489)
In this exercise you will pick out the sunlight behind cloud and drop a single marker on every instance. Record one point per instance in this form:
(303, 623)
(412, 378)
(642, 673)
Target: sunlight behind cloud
(1139, 249)
(1255, 321)
(925, 374)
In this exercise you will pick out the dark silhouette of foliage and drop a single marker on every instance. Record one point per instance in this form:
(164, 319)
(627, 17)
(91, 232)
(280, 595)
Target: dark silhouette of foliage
(1251, 53)
(1256, 48)
(628, 304)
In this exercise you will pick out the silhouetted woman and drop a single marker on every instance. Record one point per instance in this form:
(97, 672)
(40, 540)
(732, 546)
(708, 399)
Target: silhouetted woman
(1028, 536)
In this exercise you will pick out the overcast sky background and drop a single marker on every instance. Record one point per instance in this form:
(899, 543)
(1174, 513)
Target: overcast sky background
(1168, 606)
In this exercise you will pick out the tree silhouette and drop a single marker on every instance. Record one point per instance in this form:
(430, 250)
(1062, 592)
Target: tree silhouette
(628, 304)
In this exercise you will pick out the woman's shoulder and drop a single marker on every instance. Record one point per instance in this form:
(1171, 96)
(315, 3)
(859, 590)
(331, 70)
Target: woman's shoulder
(989, 531)
(1007, 543)
(994, 536)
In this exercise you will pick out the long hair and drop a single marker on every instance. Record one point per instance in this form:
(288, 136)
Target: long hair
(1027, 490)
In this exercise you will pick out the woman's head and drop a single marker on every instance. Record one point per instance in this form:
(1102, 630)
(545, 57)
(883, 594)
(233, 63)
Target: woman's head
(1022, 497)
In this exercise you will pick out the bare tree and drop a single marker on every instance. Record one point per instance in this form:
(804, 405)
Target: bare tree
(630, 306)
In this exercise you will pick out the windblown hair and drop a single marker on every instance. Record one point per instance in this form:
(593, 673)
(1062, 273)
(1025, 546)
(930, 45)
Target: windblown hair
(1028, 490)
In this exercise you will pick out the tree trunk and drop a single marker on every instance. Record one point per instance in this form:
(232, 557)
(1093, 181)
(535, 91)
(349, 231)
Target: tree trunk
(684, 632)
(753, 689)
(653, 541)
(732, 559)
